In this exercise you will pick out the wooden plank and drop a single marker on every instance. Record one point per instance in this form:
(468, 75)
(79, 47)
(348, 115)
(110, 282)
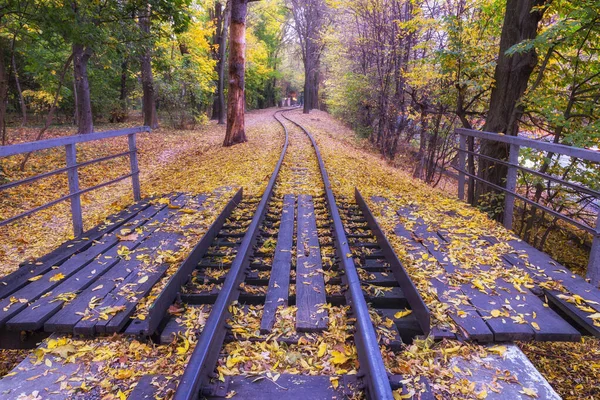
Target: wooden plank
(542, 266)
(279, 282)
(503, 328)
(38, 312)
(288, 387)
(570, 151)
(545, 323)
(310, 284)
(67, 318)
(7, 151)
(462, 312)
(148, 385)
(19, 278)
(140, 280)
(169, 293)
(37, 288)
(577, 315)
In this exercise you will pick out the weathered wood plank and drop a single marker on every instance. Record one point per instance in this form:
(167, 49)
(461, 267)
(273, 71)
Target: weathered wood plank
(19, 278)
(463, 313)
(70, 315)
(279, 282)
(138, 283)
(310, 284)
(167, 296)
(38, 312)
(54, 276)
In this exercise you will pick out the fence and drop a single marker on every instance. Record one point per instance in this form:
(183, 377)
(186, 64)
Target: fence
(71, 169)
(514, 144)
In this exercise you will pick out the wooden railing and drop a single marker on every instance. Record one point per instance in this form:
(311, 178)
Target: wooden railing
(71, 169)
(514, 144)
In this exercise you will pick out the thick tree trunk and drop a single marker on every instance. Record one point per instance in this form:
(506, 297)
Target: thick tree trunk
(81, 56)
(307, 89)
(237, 64)
(148, 96)
(220, 38)
(511, 78)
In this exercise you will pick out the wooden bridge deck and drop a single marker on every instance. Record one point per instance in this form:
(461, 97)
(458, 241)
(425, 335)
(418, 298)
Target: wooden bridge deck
(524, 296)
(94, 285)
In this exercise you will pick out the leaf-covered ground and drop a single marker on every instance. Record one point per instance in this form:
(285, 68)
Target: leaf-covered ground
(170, 161)
(352, 163)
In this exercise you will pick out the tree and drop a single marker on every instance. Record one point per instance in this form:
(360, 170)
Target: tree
(237, 67)
(511, 77)
(221, 18)
(149, 99)
(310, 19)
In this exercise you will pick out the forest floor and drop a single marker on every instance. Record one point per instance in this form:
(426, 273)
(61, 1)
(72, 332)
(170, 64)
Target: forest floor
(194, 161)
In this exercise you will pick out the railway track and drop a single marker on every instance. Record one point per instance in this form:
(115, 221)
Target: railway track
(293, 283)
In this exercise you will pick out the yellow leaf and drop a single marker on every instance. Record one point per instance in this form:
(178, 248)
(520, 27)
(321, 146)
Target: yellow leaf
(143, 279)
(535, 326)
(399, 396)
(482, 395)
(322, 349)
(495, 313)
(402, 314)
(121, 395)
(35, 278)
(124, 374)
(97, 288)
(338, 357)
(48, 363)
(230, 394)
(529, 392)
(335, 381)
(188, 211)
(57, 277)
(500, 350)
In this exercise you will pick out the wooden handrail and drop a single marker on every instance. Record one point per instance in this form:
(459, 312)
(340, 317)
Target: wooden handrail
(72, 169)
(513, 166)
(584, 154)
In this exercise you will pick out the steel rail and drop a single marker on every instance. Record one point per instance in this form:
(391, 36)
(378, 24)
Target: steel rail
(369, 354)
(202, 362)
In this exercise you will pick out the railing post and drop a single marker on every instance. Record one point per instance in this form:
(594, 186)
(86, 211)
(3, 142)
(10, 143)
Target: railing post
(135, 172)
(593, 269)
(511, 186)
(461, 165)
(73, 177)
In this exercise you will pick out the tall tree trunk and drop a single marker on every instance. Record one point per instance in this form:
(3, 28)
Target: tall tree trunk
(222, 16)
(307, 85)
(81, 56)
(237, 64)
(511, 78)
(148, 97)
(19, 92)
